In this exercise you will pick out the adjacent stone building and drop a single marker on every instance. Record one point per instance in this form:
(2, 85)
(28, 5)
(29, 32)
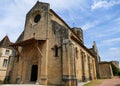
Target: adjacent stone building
(49, 52)
(105, 70)
(5, 52)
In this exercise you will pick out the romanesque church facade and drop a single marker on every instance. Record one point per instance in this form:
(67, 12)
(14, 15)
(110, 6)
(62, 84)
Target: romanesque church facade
(50, 52)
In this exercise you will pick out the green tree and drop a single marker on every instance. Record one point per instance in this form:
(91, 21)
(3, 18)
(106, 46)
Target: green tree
(115, 70)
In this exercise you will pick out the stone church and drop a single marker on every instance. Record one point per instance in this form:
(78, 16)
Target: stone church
(50, 52)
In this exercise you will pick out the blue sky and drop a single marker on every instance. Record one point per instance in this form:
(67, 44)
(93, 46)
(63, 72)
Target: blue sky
(99, 19)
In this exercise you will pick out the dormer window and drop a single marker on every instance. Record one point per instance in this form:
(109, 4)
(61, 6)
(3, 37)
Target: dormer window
(37, 18)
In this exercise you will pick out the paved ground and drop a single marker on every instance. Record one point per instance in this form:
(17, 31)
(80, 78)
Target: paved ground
(108, 82)
(22, 85)
(111, 82)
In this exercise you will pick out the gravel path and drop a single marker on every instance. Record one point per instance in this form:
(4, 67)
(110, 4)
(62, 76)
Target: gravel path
(111, 82)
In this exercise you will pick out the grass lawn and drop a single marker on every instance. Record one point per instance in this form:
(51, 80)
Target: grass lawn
(94, 83)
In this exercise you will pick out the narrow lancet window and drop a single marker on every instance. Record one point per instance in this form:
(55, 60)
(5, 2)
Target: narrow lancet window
(56, 51)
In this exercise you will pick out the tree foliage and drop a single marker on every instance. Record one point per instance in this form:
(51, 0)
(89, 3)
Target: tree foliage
(116, 71)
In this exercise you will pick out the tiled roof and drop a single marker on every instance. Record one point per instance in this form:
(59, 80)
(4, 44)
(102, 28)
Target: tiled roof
(5, 42)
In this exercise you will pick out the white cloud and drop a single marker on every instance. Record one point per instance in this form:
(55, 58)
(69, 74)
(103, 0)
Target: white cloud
(110, 42)
(117, 21)
(90, 25)
(104, 4)
(66, 4)
(110, 32)
(114, 49)
(110, 54)
(14, 13)
(12, 22)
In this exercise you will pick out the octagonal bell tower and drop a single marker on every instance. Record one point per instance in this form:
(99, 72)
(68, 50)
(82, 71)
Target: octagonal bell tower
(36, 25)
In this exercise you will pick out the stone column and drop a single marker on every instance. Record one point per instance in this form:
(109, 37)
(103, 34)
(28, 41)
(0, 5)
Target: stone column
(94, 69)
(89, 66)
(43, 64)
(72, 66)
(20, 64)
(83, 67)
(19, 77)
(68, 65)
(39, 70)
